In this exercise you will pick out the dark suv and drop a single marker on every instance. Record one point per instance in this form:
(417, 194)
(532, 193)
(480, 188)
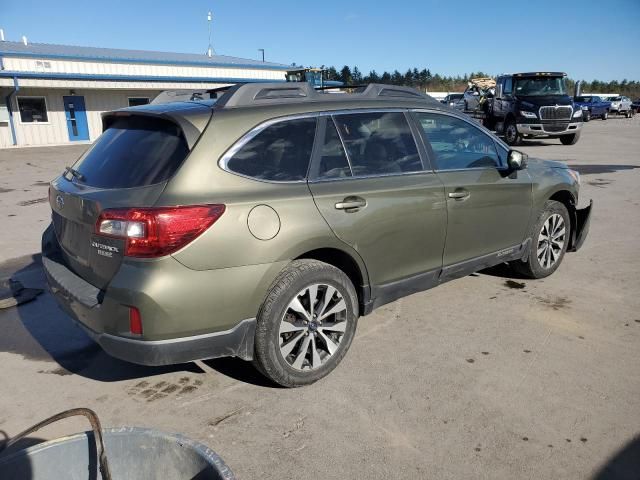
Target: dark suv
(262, 223)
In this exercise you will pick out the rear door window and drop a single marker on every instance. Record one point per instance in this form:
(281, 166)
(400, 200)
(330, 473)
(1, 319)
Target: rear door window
(281, 152)
(458, 144)
(133, 152)
(332, 161)
(379, 143)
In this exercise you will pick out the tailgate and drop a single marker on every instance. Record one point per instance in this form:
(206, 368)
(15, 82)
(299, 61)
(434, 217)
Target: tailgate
(128, 166)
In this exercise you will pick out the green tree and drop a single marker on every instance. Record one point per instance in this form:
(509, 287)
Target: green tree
(345, 75)
(373, 77)
(356, 76)
(332, 74)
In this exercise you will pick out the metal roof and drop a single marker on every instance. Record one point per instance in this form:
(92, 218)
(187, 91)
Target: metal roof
(72, 52)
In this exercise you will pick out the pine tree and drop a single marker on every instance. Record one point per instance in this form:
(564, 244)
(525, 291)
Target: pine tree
(345, 75)
(356, 76)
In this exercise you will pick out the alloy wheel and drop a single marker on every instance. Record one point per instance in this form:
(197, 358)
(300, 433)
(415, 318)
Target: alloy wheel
(312, 327)
(551, 241)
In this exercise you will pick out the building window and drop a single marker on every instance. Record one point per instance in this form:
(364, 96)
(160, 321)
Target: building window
(135, 101)
(33, 110)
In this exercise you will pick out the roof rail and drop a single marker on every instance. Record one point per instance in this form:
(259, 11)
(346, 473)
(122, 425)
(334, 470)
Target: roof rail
(254, 94)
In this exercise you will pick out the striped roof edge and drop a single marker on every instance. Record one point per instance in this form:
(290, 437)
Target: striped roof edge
(71, 52)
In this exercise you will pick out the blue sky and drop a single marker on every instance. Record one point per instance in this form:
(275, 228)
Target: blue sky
(588, 39)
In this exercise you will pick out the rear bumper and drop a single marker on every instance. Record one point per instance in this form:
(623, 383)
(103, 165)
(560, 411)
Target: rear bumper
(236, 342)
(582, 223)
(192, 318)
(81, 301)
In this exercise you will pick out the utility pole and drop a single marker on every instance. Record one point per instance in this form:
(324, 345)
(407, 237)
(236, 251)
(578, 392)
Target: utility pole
(210, 50)
(262, 51)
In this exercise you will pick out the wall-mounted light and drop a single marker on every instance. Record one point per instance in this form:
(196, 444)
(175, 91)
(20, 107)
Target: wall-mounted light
(72, 92)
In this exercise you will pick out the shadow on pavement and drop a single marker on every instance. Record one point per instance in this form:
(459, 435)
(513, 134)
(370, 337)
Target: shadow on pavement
(241, 370)
(624, 465)
(503, 271)
(591, 169)
(40, 331)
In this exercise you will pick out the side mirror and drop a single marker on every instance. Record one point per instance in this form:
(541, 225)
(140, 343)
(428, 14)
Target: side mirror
(499, 90)
(517, 160)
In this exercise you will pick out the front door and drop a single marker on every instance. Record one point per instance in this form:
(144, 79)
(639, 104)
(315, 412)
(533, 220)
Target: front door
(378, 199)
(488, 207)
(76, 117)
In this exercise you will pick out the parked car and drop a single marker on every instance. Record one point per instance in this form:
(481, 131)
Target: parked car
(636, 105)
(621, 106)
(452, 99)
(263, 223)
(592, 107)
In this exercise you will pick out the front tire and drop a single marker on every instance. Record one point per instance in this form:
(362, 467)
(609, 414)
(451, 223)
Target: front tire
(306, 323)
(570, 139)
(511, 135)
(587, 116)
(549, 240)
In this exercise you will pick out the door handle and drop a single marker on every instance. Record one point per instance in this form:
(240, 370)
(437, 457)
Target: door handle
(459, 194)
(351, 203)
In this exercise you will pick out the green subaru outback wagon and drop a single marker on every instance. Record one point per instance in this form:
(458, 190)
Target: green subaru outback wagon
(260, 221)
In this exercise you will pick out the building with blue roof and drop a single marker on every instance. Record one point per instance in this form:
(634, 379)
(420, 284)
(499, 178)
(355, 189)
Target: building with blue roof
(54, 94)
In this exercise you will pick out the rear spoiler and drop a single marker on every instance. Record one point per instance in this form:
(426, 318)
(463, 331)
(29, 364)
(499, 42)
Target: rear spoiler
(191, 118)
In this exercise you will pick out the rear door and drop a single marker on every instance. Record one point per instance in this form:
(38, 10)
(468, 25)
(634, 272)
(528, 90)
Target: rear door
(488, 209)
(127, 166)
(368, 181)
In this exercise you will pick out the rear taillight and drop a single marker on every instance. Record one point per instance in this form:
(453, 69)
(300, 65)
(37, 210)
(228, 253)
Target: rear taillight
(154, 232)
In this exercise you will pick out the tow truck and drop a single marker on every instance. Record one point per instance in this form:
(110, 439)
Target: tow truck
(525, 105)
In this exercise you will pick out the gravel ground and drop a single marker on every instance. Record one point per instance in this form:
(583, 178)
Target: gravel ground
(480, 378)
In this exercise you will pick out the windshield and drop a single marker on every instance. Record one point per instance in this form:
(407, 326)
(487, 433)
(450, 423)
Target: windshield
(583, 99)
(615, 99)
(538, 86)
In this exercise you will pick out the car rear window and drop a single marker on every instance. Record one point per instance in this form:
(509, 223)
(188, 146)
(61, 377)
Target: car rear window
(133, 152)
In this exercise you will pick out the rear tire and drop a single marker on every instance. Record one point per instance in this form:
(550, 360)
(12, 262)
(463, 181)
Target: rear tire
(570, 139)
(298, 340)
(627, 114)
(605, 115)
(549, 240)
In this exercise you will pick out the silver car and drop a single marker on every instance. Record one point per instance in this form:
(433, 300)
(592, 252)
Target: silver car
(621, 106)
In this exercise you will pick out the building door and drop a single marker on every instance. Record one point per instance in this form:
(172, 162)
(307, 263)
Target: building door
(76, 118)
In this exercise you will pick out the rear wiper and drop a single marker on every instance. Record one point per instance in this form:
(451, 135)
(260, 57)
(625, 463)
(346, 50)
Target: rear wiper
(74, 172)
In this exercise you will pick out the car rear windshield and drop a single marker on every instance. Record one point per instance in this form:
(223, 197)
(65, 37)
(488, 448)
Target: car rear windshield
(133, 152)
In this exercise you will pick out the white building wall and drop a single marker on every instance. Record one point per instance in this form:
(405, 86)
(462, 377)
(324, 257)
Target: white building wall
(55, 131)
(133, 69)
(100, 95)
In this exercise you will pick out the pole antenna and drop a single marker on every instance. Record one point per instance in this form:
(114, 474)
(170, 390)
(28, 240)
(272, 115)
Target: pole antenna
(210, 50)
